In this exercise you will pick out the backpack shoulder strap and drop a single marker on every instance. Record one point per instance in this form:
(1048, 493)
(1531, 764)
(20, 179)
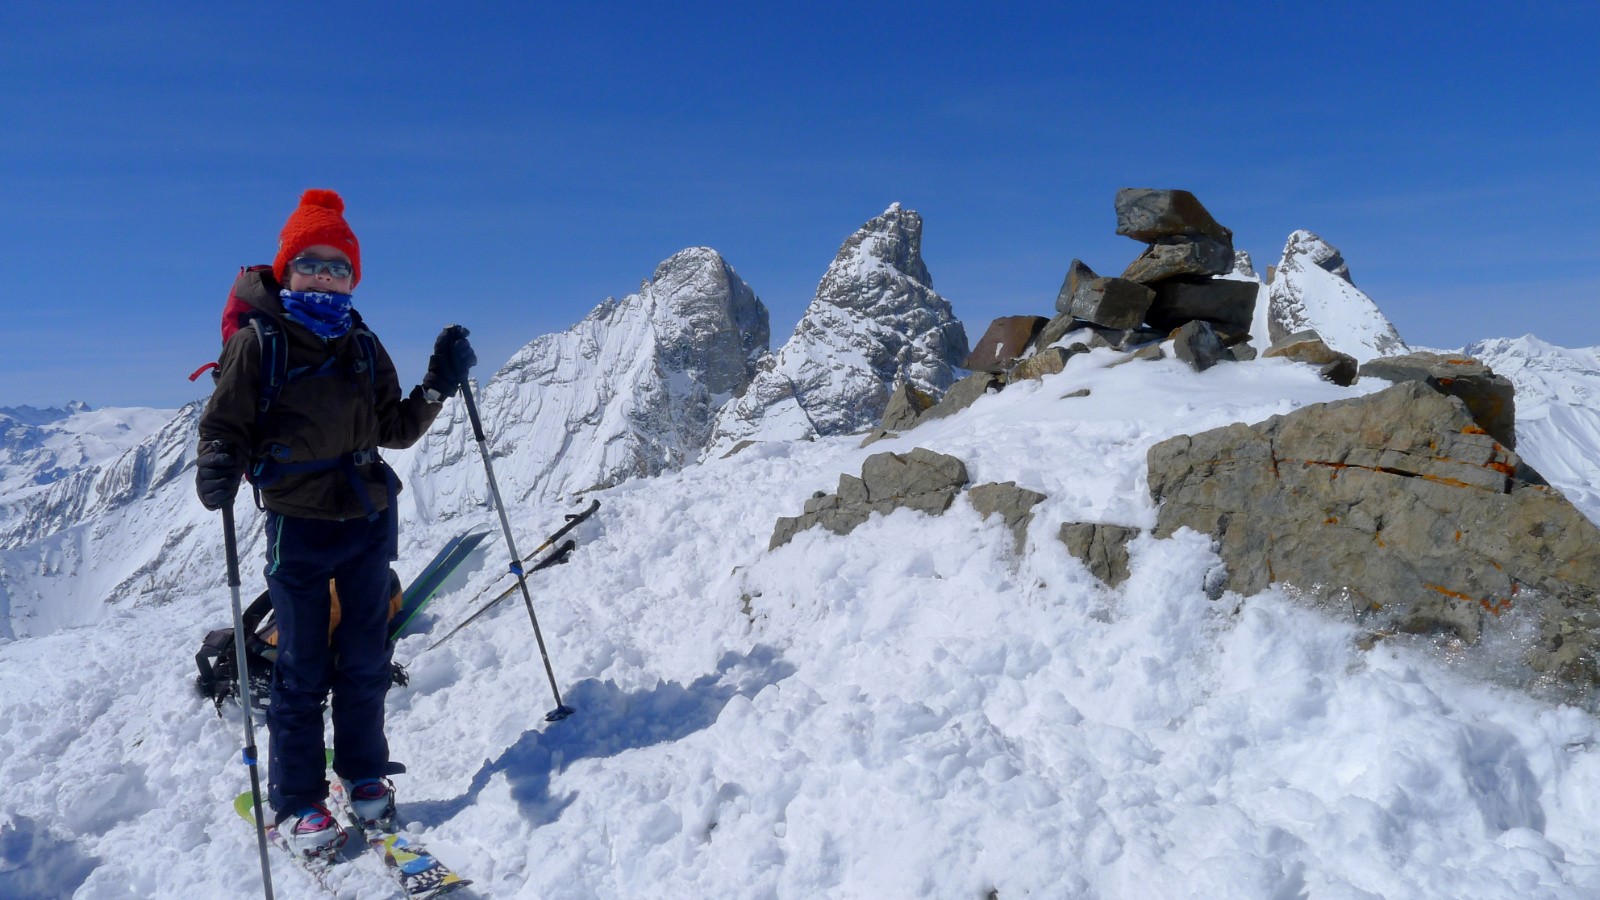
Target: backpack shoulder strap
(368, 344)
(274, 362)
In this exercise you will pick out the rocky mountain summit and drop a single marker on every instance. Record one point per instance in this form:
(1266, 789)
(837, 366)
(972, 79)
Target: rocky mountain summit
(630, 391)
(875, 322)
(1409, 506)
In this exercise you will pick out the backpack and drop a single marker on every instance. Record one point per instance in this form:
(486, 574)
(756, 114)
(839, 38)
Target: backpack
(218, 662)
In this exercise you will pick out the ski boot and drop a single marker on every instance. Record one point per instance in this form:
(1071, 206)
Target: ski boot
(313, 833)
(372, 803)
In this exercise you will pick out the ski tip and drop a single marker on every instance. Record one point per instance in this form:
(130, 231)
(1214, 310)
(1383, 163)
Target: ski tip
(559, 713)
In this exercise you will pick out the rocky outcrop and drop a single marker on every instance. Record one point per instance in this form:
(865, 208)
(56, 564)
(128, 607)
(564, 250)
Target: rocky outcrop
(1398, 507)
(875, 322)
(1489, 397)
(921, 480)
(1102, 548)
(1312, 290)
(1046, 362)
(962, 395)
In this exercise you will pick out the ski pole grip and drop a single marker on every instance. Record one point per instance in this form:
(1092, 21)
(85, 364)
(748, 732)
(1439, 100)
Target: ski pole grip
(230, 545)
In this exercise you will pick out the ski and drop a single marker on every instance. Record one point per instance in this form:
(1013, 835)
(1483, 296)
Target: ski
(419, 873)
(427, 584)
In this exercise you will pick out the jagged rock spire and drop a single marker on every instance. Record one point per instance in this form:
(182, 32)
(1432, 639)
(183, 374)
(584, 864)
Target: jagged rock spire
(875, 321)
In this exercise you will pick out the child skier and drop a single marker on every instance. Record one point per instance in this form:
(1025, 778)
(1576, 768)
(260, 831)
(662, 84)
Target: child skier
(308, 424)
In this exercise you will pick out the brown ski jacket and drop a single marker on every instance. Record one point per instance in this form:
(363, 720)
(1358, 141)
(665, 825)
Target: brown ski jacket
(321, 417)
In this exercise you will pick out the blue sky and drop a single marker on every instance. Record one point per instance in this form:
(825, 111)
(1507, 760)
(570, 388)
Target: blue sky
(509, 166)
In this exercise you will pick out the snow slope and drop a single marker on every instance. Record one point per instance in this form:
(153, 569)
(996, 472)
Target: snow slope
(1558, 411)
(913, 710)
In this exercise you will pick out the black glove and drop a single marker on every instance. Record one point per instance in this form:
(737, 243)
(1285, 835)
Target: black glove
(451, 360)
(216, 475)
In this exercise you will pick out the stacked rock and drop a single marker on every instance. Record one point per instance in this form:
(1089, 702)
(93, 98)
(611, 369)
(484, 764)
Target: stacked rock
(1171, 289)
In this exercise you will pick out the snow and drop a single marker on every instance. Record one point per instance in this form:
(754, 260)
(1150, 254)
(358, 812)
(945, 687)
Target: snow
(912, 710)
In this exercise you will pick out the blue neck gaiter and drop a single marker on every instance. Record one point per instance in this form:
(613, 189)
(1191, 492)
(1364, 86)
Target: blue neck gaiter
(326, 314)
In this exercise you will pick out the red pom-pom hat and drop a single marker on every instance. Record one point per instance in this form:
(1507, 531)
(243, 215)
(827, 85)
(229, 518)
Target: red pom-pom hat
(319, 219)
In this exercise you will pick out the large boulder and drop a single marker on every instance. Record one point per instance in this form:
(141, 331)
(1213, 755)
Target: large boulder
(1225, 303)
(1199, 345)
(962, 394)
(906, 404)
(1007, 339)
(1148, 215)
(1179, 256)
(1078, 275)
(921, 480)
(1048, 361)
(1112, 302)
(1489, 397)
(1399, 508)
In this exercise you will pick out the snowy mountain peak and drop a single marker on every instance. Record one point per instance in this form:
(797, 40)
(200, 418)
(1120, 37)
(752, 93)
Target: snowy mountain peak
(1312, 290)
(629, 391)
(875, 320)
(1318, 252)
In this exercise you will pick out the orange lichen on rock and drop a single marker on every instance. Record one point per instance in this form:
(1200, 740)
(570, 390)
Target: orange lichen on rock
(1495, 607)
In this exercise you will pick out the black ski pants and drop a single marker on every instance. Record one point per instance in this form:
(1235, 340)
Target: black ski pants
(303, 555)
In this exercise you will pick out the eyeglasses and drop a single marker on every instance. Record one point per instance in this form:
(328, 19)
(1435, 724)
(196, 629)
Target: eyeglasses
(310, 265)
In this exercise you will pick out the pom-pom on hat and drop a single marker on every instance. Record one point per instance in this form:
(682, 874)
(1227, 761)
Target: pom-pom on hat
(319, 219)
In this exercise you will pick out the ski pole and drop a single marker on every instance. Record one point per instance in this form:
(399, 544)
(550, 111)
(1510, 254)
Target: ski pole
(554, 559)
(562, 710)
(240, 655)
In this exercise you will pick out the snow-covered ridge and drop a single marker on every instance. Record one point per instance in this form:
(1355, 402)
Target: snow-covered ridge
(39, 446)
(875, 321)
(628, 392)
